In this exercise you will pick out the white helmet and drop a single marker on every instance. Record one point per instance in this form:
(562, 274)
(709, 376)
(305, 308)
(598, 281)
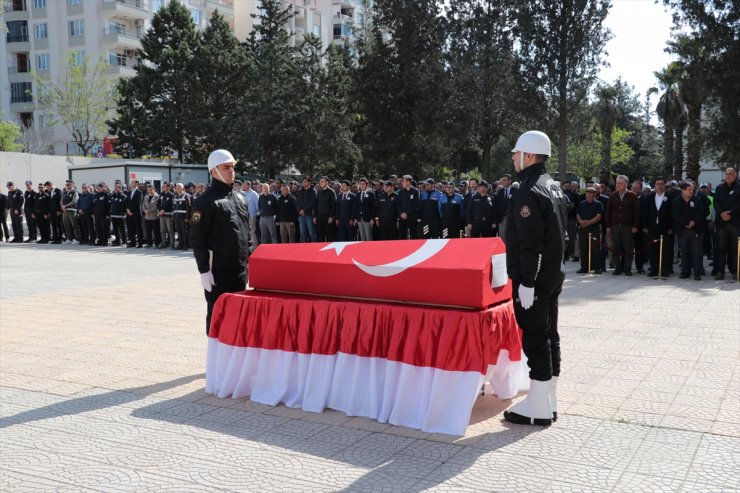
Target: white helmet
(533, 142)
(219, 156)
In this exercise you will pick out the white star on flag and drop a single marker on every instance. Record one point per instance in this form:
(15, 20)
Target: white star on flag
(338, 246)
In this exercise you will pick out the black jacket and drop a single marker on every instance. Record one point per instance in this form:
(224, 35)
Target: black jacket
(133, 202)
(166, 202)
(305, 199)
(286, 209)
(15, 201)
(386, 208)
(482, 210)
(409, 202)
(56, 200)
(101, 204)
(536, 230)
(366, 206)
(503, 202)
(42, 205)
(220, 224)
(346, 209)
(326, 202)
(657, 222)
(684, 212)
(727, 198)
(3, 204)
(28, 198)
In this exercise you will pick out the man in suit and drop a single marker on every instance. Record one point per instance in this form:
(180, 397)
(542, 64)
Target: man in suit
(55, 216)
(365, 211)
(134, 197)
(28, 207)
(346, 213)
(503, 196)
(657, 222)
(622, 222)
(42, 213)
(408, 207)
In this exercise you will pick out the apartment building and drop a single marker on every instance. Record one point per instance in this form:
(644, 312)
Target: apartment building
(41, 34)
(350, 18)
(311, 17)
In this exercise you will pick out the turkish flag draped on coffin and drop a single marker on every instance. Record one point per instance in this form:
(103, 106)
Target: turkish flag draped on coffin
(468, 273)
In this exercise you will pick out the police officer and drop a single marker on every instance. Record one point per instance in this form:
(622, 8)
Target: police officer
(482, 213)
(85, 211)
(181, 215)
(386, 214)
(219, 233)
(118, 215)
(70, 196)
(42, 213)
(451, 211)
(28, 207)
(15, 208)
(689, 214)
(536, 234)
(101, 213)
(408, 208)
(431, 221)
(166, 222)
(588, 215)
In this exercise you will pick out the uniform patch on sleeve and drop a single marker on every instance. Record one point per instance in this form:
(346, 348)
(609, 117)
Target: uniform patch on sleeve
(525, 212)
(196, 217)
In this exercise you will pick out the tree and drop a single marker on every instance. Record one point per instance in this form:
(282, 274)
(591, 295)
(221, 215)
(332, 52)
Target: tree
(671, 111)
(269, 117)
(402, 88)
(37, 140)
(607, 114)
(487, 97)
(80, 98)
(159, 105)
(9, 133)
(561, 44)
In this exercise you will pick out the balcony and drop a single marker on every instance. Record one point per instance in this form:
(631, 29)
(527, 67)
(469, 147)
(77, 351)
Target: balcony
(118, 66)
(344, 19)
(224, 6)
(116, 37)
(18, 42)
(126, 9)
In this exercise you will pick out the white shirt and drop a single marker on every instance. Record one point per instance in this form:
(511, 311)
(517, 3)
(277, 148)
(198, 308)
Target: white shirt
(659, 199)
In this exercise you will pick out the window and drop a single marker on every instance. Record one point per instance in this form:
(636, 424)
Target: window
(74, 2)
(77, 27)
(44, 121)
(20, 92)
(196, 16)
(78, 58)
(42, 61)
(156, 5)
(39, 4)
(117, 59)
(17, 31)
(41, 31)
(317, 31)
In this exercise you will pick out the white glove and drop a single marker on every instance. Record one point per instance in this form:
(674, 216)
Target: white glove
(526, 296)
(206, 280)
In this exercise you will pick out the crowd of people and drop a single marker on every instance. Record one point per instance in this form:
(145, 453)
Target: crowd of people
(621, 226)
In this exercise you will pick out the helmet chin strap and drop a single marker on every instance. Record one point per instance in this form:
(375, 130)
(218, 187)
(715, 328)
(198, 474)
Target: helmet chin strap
(220, 176)
(521, 162)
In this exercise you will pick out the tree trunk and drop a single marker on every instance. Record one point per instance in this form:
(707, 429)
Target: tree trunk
(668, 148)
(678, 153)
(606, 157)
(693, 150)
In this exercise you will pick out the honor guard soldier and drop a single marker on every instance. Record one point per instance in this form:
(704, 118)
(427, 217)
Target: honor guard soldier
(219, 233)
(387, 212)
(42, 211)
(431, 222)
(482, 213)
(536, 235)
(118, 215)
(101, 213)
(181, 215)
(451, 211)
(166, 222)
(408, 207)
(28, 207)
(15, 208)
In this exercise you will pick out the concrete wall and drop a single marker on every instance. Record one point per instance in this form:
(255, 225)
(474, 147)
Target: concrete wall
(19, 167)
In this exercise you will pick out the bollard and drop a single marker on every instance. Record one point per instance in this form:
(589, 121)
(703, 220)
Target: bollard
(660, 259)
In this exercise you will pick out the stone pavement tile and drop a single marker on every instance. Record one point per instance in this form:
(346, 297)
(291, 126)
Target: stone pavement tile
(431, 450)
(368, 424)
(444, 487)
(630, 482)
(581, 477)
(727, 429)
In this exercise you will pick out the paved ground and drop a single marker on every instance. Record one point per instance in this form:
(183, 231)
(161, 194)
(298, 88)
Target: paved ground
(102, 357)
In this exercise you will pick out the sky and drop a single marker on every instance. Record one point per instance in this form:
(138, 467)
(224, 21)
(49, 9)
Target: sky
(640, 30)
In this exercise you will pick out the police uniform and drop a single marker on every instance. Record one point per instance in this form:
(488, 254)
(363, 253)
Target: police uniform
(28, 207)
(452, 213)
(101, 212)
(69, 217)
(587, 211)
(692, 239)
(42, 211)
(536, 235)
(181, 216)
(386, 215)
(219, 236)
(481, 214)
(431, 222)
(3, 217)
(166, 223)
(267, 205)
(15, 207)
(408, 203)
(118, 217)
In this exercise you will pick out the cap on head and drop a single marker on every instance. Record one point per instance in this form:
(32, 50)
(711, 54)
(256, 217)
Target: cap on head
(237, 182)
(219, 156)
(9, 184)
(705, 184)
(450, 184)
(429, 181)
(29, 182)
(533, 142)
(388, 183)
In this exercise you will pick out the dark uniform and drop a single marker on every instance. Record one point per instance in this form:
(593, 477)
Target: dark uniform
(15, 208)
(408, 203)
(181, 216)
(85, 210)
(101, 213)
(42, 211)
(481, 214)
(727, 199)
(386, 215)
(587, 211)
(55, 216)
(431, 221)
(326, 201)
(167, 225)
(4, 217)
(118, 217)
(692, 239)
(346, 211)
(452, 213)
(28, 207)
(220, 227)
(536, 232)
(133, 221)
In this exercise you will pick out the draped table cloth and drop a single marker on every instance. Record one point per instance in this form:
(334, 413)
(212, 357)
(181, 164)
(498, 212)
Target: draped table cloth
(415, 366)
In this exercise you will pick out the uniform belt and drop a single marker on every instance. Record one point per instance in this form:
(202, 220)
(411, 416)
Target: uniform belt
(118, 217)
(179, 212)
(70, 210)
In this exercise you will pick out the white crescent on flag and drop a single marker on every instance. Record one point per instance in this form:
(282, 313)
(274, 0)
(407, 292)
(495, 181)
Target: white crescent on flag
(429, 249)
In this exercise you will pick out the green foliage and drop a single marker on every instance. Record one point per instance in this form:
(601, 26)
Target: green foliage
(585, 154)
(9, 133)
(80, 99)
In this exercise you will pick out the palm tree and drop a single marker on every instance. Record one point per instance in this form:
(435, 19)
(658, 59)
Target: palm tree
(671, 111)
(607, 114)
